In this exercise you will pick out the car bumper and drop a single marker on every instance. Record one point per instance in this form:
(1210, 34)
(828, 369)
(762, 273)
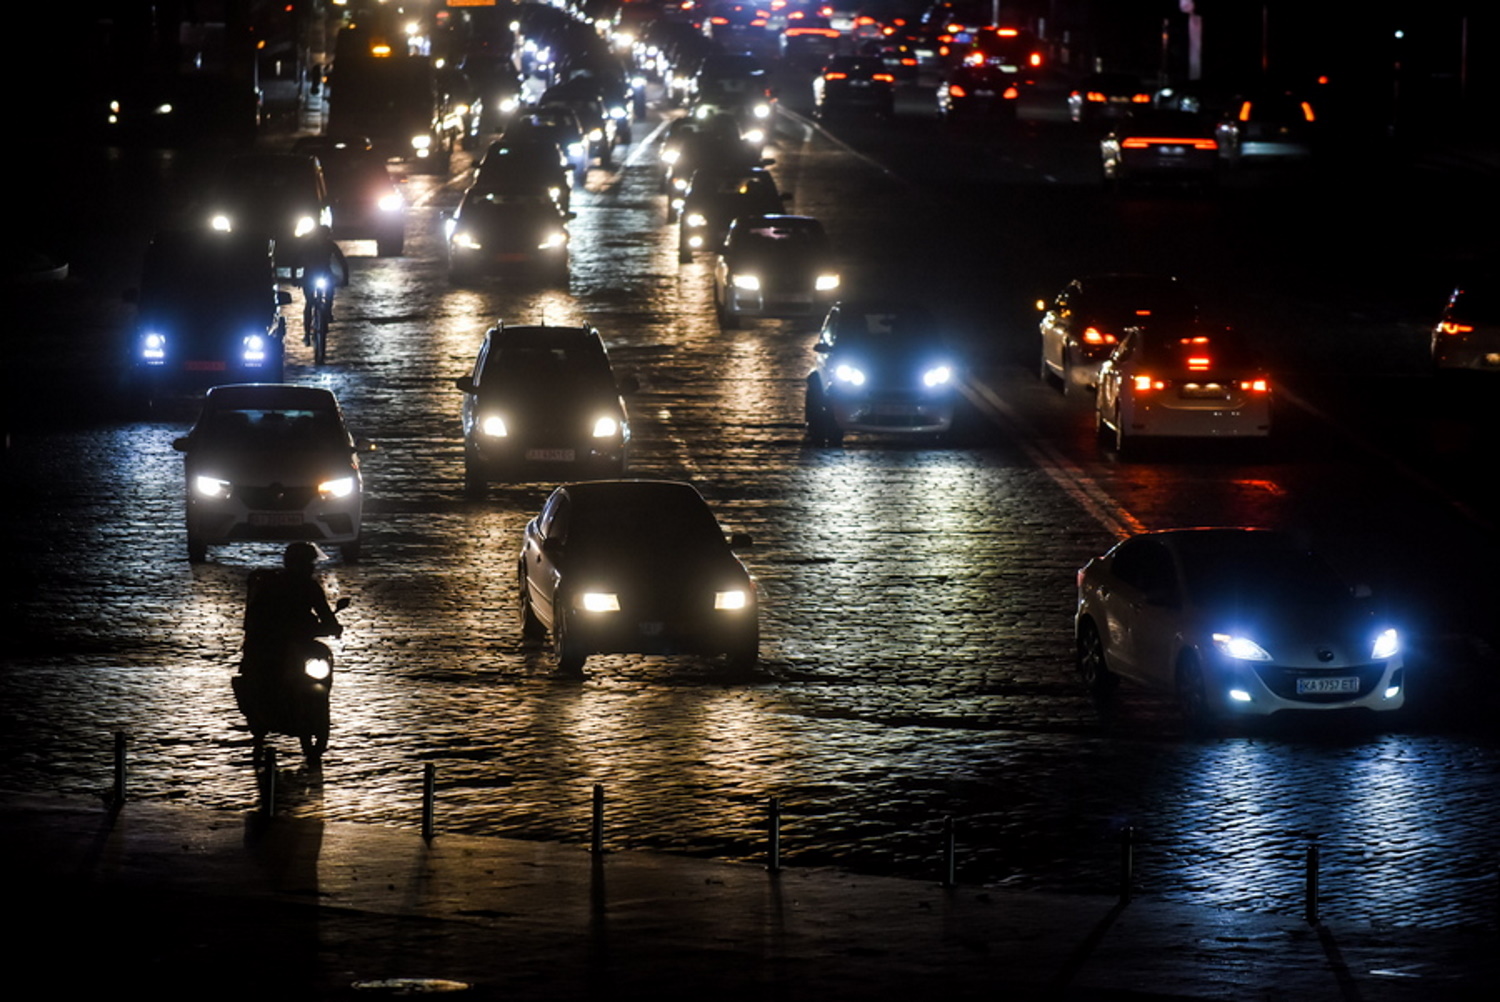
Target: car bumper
(893, 413)
(1251, 689)
(1248, 420)
(335, 521)
(623, 633)
(503, 459)
(749, 303)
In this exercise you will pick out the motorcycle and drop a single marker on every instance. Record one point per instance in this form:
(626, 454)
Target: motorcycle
(288, 693)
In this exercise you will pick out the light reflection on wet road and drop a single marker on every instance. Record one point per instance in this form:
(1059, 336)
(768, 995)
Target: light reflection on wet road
(916, 634)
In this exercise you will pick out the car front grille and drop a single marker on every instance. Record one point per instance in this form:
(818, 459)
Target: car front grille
(276, 497)
(1283, 681)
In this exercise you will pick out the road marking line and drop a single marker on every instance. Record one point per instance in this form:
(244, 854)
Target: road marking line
(1062, 471)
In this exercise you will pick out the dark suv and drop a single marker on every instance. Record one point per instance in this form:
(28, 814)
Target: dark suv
(540, 401)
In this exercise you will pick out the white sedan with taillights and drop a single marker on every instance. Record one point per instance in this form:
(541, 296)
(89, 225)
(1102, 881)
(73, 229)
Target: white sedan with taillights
(1182, 381)
(1234, 622)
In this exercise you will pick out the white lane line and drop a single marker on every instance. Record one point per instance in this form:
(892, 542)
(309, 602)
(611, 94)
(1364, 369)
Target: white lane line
(1062, 471)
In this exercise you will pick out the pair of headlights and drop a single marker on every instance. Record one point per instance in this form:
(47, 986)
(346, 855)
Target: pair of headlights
(494, 426)
(217, 489)
(1387, 644)
(751, 283)
(608, 601)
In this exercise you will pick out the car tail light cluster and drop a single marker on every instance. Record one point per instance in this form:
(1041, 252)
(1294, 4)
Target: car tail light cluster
(1145, 142)
(1454, 327)
(1093, 335)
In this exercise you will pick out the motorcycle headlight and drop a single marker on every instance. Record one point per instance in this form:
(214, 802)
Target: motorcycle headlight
(339, 487)
(750, 283)
(736, 598)
(1241, 648)
(606, 427)
(826, 283)
(599, 601)
(304, 226)
(212, 487)
(762, 111)
(494, 426)
(1387, 645)
(317, 668)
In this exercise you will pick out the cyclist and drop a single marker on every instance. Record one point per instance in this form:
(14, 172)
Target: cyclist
(320, 258)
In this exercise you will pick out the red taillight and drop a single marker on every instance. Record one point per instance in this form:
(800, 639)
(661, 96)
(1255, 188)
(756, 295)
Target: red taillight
(1145, 384)
(1307, 112)
(1093, 335)
(1454, 327)
(1256, 385)
(954, 90)
(1011, 94)
(1097, 97)
(884, 78)
(835, 76)
(1198, 363)
(1035, 60)
(1140, 99)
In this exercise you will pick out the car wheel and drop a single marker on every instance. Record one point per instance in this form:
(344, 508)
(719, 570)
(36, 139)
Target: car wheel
(531, 627)
(745, 654)
(569, 658)
(351, 550)
(728, 320)
(197, 549)
(1192, 693)
(822, 427)
(1092, 665)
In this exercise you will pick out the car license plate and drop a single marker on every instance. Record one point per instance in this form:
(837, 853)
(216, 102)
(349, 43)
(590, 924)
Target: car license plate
(984, 93)
(1326, 686)
(1203, 391)
(218, 366)
(275, 518)
(550, 455)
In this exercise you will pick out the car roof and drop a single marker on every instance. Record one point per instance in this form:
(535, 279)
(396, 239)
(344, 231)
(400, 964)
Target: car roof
(659, 498)
(272, 395)
(543, 335)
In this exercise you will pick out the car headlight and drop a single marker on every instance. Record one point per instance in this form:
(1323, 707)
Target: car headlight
(736, 598)
(750, 283)
(154, 348)
(1242, 648)
(695, 220)
(494, 426)
(599, 601)
(826, 283)
(575, 150)
(221, 223)
(596, 134)
(253, 351)
(1387, 645)
(606, 427)
(392, 202)
(339, 487)
(465, 240)
(754, 136)
(303, 226)
(762, 111)
(553, 240)
(317, 668)
(421, 143)
(938, 375)
(850, 374)
(212, 487)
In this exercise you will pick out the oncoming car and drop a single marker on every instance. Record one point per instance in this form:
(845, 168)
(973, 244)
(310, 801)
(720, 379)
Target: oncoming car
(1234, 621)
(883, 368)
(540, 400)
(497, 231)
(774, 266)
(271, 461)
(635, 566)
(1182, 381)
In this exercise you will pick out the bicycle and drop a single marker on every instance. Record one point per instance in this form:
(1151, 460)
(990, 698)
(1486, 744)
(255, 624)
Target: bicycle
(315, 317)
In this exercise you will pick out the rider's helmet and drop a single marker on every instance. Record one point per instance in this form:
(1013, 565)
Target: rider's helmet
(302, 556)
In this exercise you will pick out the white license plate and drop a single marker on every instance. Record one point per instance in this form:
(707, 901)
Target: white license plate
(1326, 686)
(275, 518)
(550, 455)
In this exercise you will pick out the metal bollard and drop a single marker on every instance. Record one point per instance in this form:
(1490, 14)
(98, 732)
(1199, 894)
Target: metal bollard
(117, 794)
(774, 822)
(949, 856)
(1127, 862)
(596, 844)
(1310, 907)
(429, 784)
(268, 790)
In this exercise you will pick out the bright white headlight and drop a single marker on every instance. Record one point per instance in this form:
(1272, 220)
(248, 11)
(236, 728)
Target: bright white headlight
(600, 601)
(340, 487)
(317, 668)
(606, 427)
(494, 426)
(734, 599)
(847, 373)
(221, 223)
(211, 487)
(827, 283)
(1242, 648)
(304, 226)
(937, 376)
(750, 283)
(1387, 645)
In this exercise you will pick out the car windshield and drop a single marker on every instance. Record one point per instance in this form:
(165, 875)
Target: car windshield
(268, 429)
(774, 240)
(547, 371)
(880, 326)
(1249, 575)
(1195, 350)
(658, 525)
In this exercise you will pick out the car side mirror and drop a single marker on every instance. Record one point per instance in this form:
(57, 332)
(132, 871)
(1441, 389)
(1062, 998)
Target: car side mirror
(465, 383)
(552, 546)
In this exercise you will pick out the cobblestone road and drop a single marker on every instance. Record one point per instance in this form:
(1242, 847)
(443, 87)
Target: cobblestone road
(916, 653)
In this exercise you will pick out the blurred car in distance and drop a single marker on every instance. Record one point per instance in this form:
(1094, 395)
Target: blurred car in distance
(1105, 97)
(1467, 335)
(635, 567)
(882, 368)
(715, 198)
(1182, 380)
(271, 461)
(1166, 146)
(493, 232)
(364, 200)
(854, 85)
(977, 93)
(1269, 125)
(1081, 326)
(541, 400)
(282, 197)
(1234, 622)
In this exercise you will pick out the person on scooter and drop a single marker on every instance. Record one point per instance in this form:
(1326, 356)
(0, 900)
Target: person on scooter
(286, 606)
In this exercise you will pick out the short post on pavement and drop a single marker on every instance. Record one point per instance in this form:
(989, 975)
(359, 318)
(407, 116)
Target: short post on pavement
(1127, 862)
(117, 793)
(429, 785)
(1310, 908)
(950, 867)
(596, 840)
(773, 821)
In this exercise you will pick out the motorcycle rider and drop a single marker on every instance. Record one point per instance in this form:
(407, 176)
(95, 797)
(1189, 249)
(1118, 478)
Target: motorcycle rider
(286, 607)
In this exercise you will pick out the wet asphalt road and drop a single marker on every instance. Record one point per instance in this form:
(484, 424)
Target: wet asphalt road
(916, 600)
